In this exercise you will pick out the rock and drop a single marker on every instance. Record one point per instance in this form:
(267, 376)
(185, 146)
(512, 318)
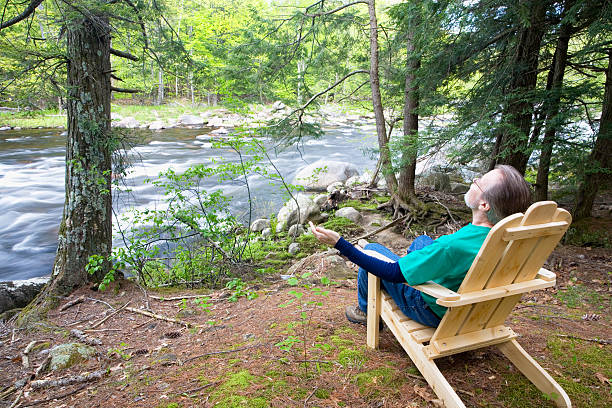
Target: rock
(334, 186)
(19, 293)
(5, 128)
(439, 181)
(322, 173)
(350, 213)
(220, 131)
(382, 183)
(260, 225)
(266, 232)
(320, 199)
(294, 248)
(366, 176)
(69, 354)
(278, 105)
(295, 230)
(116, 116)
(353, 181)
(336, 268)
(458, 188)
(288, 214)
(190, 120)
(215, 122)
(128, 123)
(157, 125)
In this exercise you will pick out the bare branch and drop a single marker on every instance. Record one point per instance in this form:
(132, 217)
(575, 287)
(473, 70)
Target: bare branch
(324, 13)
(359, 71)
(125, 90)
(26, 13)
(123, 54)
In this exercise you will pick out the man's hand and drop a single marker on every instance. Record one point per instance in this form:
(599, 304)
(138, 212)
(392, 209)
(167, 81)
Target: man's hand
(325, 236)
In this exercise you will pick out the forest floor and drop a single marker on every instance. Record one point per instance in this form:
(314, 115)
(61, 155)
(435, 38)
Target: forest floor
(269, 351)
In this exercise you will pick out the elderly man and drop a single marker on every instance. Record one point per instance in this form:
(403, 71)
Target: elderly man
(497, 194)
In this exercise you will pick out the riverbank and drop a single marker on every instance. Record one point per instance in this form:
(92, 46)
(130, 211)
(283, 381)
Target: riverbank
(272, 342)
(170, 114)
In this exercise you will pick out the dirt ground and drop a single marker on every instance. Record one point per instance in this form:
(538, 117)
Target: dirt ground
(263, 352)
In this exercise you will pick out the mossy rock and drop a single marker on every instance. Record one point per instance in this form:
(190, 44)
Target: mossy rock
(69, 354)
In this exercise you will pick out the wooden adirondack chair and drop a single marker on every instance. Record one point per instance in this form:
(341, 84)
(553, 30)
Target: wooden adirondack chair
(508, 265)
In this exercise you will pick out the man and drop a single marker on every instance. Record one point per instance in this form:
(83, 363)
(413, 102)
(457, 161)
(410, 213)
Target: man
(496, 195)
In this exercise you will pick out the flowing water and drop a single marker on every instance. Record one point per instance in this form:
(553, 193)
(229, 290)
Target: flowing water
(32, 182)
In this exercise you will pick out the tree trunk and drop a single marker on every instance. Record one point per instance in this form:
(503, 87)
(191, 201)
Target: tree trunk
(519, 111)
(86, 227)
(552, 110)
(411, 125)
(598, 172)
(377, 102)
(160, 87)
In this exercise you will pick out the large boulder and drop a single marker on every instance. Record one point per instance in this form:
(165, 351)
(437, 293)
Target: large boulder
(69, 354)
(350, 213)
(294, 248)
(128, 123)
(322, 173)
(157, 125)
(439, 181)
(260, 225)
(19, 293)
(288, 214)
(191, 120)
(458, 188)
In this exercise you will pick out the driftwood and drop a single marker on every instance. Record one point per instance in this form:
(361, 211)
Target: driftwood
(160, 317)
(110, 315)
(92, 341)
(73, 302)
(221, 352)
(73, 379)
(25, 361)
(55, 397)
(389, 225)
(600, 341)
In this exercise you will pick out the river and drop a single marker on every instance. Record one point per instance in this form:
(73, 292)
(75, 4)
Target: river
(32, 182)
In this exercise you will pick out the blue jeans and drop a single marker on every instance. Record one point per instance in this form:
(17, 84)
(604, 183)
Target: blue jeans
(409, 300)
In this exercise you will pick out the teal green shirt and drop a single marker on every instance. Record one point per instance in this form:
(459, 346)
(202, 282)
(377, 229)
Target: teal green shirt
(445, 261)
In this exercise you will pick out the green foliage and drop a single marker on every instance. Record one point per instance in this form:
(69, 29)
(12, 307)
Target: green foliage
(238, 289)
(578, 296)
(342, 225)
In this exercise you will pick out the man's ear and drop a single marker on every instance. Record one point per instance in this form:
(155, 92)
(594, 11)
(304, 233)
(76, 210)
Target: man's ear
(484, 206)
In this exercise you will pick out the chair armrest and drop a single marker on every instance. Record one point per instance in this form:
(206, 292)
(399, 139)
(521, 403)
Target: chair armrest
(546, 275)
(497, 293)
(431, 288)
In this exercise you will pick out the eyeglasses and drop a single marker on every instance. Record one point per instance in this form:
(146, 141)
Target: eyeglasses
(475, 181)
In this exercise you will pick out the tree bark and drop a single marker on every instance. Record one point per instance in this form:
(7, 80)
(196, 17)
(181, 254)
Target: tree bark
(86, 227)
(598, 172)
(406, 180)
(552, 110)
(519, 111)
(385, 154)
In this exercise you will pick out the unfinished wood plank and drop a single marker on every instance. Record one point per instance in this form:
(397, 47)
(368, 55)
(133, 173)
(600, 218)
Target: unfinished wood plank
(544, 249)
(534, 372)
(471, 341)
(398, 317)
(489, 255)
(503, 310)
(374, 299)
(532, 231)
(546, 275)
(421, 336)
(438, 291)
(426, 366)
(452, 321)
(497, 293)
(479, 316)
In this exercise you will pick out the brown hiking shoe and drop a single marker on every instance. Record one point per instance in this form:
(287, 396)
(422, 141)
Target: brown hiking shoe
(355, 315)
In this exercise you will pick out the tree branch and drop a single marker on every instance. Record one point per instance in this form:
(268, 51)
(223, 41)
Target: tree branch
(324, 13)
(26, 13)
(123, 54)
(125, 90)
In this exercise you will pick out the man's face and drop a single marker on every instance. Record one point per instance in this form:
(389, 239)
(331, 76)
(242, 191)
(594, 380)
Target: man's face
(473, 197)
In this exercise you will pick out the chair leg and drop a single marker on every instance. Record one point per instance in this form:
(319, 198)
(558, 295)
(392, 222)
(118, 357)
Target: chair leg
(374, 299)
(534, 372)
(436, 380)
